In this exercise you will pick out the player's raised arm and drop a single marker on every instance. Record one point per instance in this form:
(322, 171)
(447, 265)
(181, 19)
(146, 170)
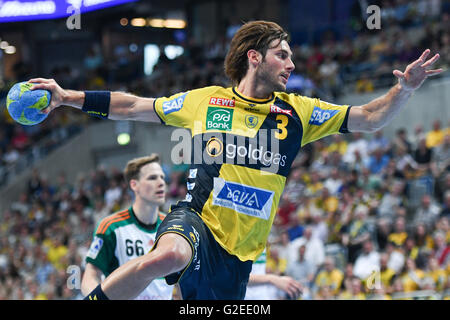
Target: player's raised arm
(378, 112)
(104, 104)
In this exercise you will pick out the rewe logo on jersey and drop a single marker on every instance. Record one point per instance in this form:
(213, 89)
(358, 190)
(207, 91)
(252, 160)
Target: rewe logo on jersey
(174, 104)
(223, 102)
(277, 109)
(219, 119)
(244, 199)
(319, 116)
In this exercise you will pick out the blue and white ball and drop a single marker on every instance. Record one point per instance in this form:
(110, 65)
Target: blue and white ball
(24, 105)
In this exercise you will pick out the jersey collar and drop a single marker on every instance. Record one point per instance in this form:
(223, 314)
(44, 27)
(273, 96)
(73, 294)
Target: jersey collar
(149, 227)
(250, 99)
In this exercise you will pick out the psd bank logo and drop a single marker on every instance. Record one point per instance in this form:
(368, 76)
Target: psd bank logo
(248, 200)
(219, 119)
(319, 116)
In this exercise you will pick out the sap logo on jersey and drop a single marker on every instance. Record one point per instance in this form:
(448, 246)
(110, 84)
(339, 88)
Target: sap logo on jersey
(174, 104)
(244, 199)
(319, 116)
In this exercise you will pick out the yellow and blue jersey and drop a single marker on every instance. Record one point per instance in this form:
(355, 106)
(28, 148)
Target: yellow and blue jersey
(242, 151)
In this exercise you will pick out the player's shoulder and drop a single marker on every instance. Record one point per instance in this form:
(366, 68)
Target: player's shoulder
(113, 220)
(209, 90)
(292, 98)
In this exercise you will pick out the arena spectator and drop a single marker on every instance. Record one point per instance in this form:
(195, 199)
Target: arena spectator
(382, 232)
(358, 146)
(378, 161)
(355, 292)
(401, 141)
(367, 262)
(396, 257)
(391, 200)
(301, 269)
(399, 235)
(330, 276)
(441, 157)
(358, 232)
(427, 213)
(423, 155)
(386, 274)
(314, 252)
(411, 276)
(436, 273)
(441, 249)
(378, 141)
(436, 136)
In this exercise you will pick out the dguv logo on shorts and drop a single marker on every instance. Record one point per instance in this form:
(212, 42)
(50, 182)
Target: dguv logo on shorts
(219, 119)
(319, 116)
(244, 199)
(174, 104)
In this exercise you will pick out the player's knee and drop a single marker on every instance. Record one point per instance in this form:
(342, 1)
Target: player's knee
(177, 258)
(171, 254)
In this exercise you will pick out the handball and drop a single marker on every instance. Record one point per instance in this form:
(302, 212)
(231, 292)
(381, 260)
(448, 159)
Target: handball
(24, 105)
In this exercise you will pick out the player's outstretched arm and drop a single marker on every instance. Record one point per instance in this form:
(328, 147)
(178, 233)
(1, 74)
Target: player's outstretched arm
(379, 112)
(120, 105)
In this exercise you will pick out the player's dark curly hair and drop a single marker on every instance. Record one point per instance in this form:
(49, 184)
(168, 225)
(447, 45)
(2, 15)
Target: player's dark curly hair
(256, 35)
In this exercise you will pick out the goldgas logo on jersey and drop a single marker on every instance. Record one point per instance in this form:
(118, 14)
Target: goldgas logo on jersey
(319, 116)
(244, 199)
(214, 147)
(219, 119)
(174, 104)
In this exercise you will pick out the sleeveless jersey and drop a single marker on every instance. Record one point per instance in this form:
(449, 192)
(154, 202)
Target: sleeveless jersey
(242, 151)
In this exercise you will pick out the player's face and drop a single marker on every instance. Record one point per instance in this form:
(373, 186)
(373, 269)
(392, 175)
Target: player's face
(277, 66)
(151, 186)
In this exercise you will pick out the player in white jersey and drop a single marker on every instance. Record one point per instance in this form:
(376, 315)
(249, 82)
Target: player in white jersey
(267, 286)
(130, 233)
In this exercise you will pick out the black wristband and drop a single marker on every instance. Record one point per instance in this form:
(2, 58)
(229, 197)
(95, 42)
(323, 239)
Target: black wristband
(96, 103)
(96, 294)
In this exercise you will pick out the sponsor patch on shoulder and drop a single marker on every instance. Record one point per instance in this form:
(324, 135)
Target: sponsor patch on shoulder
(320, 116)
(174, 104)
(95, 247)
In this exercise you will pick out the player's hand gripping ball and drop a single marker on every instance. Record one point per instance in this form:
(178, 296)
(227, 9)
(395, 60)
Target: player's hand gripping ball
(24, 105)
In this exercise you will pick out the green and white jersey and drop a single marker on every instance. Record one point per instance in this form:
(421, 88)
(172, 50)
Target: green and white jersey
(119, 238)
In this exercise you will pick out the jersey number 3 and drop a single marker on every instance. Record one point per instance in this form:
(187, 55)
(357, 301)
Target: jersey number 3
(282, 122)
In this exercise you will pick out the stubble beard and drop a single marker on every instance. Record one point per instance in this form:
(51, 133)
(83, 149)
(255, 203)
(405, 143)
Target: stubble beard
(269, 80)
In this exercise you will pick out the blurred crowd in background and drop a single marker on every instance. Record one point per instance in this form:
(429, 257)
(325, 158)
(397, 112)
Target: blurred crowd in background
(361, 217)
(352, 203)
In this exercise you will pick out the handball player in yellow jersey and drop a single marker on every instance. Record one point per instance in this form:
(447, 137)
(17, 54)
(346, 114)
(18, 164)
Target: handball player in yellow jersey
(244, 140)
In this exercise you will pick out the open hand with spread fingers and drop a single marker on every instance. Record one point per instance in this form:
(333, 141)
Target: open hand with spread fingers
(417, 71)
